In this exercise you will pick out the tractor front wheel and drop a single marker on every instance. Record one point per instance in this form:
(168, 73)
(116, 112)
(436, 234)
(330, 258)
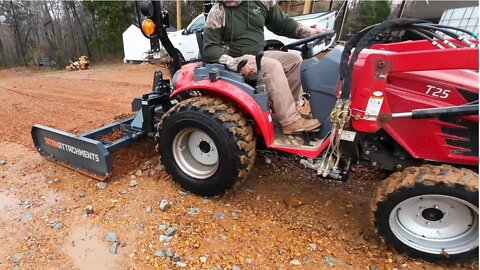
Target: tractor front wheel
(206, 145)
(429, 212)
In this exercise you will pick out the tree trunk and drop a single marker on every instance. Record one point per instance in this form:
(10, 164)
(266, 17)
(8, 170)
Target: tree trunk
(17, 35)
(3, 59)
(60, 36)
(34, 55)
(80, 25)
(94, 25)
(70, 34)
(49, 31)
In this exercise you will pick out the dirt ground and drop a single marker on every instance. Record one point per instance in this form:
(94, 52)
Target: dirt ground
(281, 216)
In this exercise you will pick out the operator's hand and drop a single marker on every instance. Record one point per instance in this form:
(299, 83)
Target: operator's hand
(249, 67)
(316, 31)
(246, 70)
(232, 63)
(228, 61)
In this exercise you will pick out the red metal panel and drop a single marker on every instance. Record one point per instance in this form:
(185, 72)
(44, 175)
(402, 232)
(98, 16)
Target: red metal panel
(230, 93)
(386, 75)
(422, 138)
(461, 58)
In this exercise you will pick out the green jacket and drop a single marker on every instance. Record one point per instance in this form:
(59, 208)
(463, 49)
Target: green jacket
(238, 30)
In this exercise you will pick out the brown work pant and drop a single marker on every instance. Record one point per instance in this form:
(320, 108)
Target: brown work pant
(282, 78)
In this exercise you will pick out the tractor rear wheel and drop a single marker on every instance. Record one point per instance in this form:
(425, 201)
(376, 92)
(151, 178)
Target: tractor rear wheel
(429, 212)
(206, 145)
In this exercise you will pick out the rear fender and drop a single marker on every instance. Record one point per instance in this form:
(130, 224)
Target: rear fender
(245, 103)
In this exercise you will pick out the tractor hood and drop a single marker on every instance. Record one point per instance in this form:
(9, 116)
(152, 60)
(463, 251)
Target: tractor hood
(465, 82)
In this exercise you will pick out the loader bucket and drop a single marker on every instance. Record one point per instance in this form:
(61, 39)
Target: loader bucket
(74, 151)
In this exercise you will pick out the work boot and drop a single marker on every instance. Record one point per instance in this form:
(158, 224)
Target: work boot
(303, 108)
(301, 125)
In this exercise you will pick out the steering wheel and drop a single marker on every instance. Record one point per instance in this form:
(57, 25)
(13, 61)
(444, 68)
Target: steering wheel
(301, 44)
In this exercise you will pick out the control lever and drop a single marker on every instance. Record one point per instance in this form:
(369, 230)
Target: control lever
(260, 88)
(241, 65)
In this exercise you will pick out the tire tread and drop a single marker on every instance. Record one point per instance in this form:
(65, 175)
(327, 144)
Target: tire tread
(426, 175)
(230, 118)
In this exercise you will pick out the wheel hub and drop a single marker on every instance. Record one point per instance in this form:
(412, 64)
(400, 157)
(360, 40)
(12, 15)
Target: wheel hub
(195, 153)
(432, 214)
(204, 147)
(436, 224)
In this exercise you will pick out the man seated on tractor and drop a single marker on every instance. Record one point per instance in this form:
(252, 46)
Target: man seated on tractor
(234, 31)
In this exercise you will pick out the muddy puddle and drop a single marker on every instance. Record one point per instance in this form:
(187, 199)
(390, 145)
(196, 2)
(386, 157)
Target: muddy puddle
(87, 250)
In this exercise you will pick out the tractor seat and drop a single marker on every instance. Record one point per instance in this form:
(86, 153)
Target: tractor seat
(199, 36)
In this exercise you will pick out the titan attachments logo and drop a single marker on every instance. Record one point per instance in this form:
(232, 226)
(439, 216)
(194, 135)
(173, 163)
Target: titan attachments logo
(72, 149)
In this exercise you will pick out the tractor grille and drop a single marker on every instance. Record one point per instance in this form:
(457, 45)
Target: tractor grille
(466, 131)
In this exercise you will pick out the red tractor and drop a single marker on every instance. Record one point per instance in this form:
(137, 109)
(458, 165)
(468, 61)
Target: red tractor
(409, 106)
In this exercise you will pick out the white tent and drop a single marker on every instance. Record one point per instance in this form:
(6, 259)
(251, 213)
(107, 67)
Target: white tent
(135, 44)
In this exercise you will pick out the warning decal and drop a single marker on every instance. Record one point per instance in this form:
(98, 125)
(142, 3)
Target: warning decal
(373, 108)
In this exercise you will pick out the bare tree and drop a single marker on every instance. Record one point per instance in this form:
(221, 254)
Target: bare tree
(12, 13)
(32, 30)
(80, 26)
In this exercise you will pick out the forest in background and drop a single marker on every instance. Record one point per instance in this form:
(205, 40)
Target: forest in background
(33, 32)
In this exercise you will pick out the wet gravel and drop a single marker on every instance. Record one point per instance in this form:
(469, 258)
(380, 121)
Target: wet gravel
(282, 217)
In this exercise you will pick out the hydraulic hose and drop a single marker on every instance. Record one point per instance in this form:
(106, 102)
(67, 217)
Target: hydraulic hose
(444, 31)
(364, 39)
(433, 34)
(424, 35)
(454, 28)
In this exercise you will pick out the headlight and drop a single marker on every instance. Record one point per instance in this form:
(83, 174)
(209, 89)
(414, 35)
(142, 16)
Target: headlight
(148, 27)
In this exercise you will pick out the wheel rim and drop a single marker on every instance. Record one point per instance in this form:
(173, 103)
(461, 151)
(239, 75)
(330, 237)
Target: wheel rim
(195, 153)
(436, 224)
